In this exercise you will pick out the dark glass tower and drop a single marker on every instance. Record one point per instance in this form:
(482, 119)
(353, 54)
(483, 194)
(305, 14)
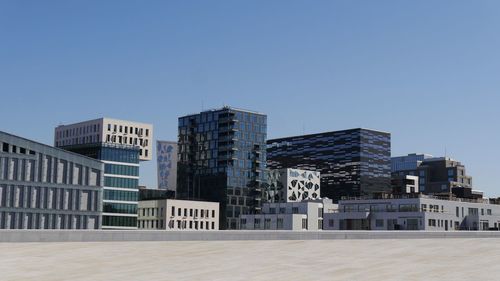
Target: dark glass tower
(222, 158)
(352, 163)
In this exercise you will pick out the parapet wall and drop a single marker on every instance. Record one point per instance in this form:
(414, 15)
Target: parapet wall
(228, 235)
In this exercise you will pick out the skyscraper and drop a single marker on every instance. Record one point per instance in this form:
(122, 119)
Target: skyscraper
(222, 158)
(352, 163)
(120, 145)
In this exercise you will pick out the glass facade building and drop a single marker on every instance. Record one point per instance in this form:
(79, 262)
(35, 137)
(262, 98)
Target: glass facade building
(222, 158)
(352, 163)
(121, 182)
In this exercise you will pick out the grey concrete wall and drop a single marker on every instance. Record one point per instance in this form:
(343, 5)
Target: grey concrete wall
(140, 235)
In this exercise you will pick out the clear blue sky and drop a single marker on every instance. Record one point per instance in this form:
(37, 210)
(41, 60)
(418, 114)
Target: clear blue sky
(426, 71)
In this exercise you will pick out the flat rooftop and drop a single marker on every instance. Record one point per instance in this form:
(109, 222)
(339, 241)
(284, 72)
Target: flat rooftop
(366, 259)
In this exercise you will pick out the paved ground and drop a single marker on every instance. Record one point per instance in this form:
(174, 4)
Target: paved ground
(419, 259)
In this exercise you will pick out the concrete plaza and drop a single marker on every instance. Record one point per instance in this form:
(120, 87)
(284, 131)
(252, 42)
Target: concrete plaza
(366, 259)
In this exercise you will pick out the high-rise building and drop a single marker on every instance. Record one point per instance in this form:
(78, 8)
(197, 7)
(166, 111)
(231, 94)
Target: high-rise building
(352, 163)
(120, 145)
(437, 175)
(222, 158)
(166, 158)
(42, 187)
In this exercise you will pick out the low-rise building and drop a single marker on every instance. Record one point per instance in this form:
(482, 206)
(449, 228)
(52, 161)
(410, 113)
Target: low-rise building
(171, 214)
(414, 212)
(304, 215)
(42, 187)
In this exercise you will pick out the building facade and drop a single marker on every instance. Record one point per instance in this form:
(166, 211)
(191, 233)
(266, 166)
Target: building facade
(170, 214)
(119, 145)
(419, 212)
(292, 185)
(166, 158)
(352, 162)
(107, 130)
(437, 175)
(222, 158)
(42, 187)
(404, 184)
(297, 216)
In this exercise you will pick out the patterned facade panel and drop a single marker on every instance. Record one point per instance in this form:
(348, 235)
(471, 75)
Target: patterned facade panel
(166, 152)
(293, 185)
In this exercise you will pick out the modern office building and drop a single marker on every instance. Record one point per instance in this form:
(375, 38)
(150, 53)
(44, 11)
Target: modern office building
(120, 145)
(166, 158)
(222, 158)
(414, 212)
(292, 185)
(352, 163)
(409, 162)
(42, 187)
(437, 175)
(107, 130)
(170, 214)
(304, 215)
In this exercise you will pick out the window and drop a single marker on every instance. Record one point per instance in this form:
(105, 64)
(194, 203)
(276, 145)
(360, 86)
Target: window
(267, 224)
(190, 224)
(272, 211)
(173, 211)
(482, 212)
(190, 212)
(279, 223)
(179, 211)
(424, 207)
(213, 225)
(295, 210)
(282, 210)
(320, 224)
(457, 212)
(379, 223)
(213, 213)
(185, 212)
(304, 223)
(488, 212)
(256, 223)
(330, 223)
(201, 213)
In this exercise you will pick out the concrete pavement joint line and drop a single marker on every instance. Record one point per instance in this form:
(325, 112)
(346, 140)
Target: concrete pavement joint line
(139, 235)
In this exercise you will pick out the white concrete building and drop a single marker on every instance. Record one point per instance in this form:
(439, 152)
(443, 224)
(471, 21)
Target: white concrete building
(305, 215)
(107, 130)
(293, 185)
(414, 212)
(171, 214)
